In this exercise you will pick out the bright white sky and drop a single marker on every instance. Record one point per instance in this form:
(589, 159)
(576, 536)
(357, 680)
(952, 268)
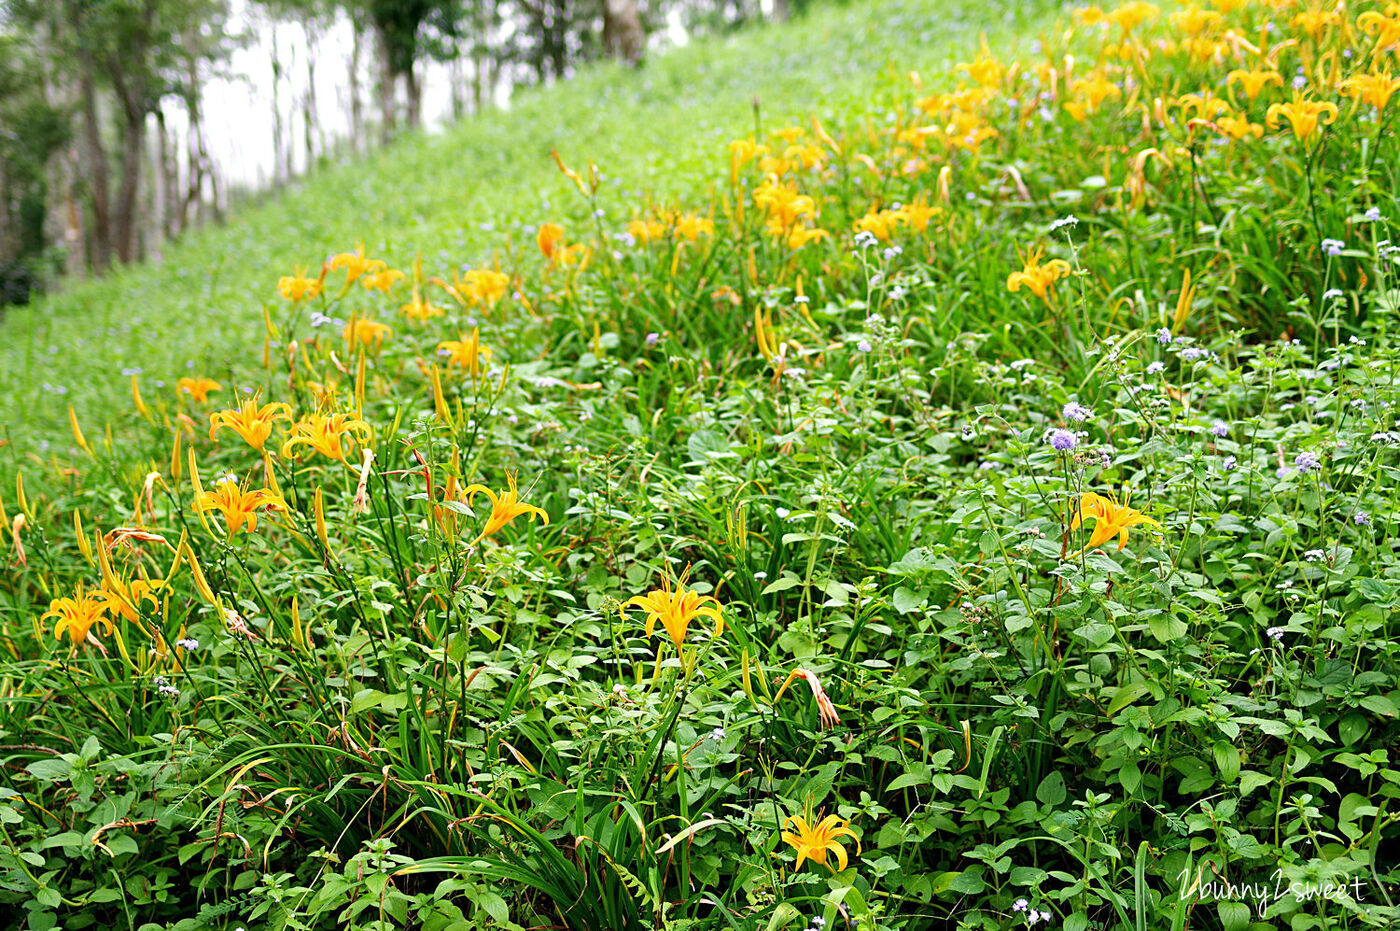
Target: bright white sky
(238, 106)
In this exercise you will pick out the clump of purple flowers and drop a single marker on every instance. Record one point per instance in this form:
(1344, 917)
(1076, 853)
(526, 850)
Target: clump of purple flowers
(1306, 462)
(1333, 247)
(1063, 440)
(1076, 412)
(1220, 428)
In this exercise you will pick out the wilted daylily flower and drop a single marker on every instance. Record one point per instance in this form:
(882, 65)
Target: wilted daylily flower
(814, 843)
(548, 238)
(239, 504)
(250, 421)
(826, 710)
(504, 507)
(676, 609)
(198, 388)
(1110, 519)
(332, 435)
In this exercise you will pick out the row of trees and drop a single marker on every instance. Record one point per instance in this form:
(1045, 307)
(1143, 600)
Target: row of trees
(92, 170)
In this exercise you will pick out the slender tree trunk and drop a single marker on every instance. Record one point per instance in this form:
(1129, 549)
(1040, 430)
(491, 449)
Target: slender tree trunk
(357, 115)
(131, 95)
(457, 79)
(281, 158)
(99, 243)
(388, 117)
(415, 98)
(308, 110)
(165, 183)
(64, 224)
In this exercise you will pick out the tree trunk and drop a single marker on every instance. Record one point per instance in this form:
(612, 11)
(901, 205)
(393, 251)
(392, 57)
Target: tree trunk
(131, 95)
(388, 116)
(99, 243)
(280, 156)
(64, 224)
(780, 11)
(308, 110)
(415, 98)
(558, 38)
(165, 183)
(623, 36)
(357, 115)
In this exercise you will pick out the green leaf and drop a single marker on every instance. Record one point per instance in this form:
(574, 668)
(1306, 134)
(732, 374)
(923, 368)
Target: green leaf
(906, 600)
(1051, 790)
(1227, 760)
(1125, 695)
(1234, 916)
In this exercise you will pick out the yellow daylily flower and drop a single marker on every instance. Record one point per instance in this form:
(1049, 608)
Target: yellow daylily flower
(1131, 15)
(238, 504)
(297, 287)
(355, 264)
(125, 598)
(676, 609)
(1110, 519)
(783, 202)
(548, 238)
(1385, 27)
(1254, 81)
(77, 616)
(1037, 278)
(250, 421)
(466, 353)
(505, 507)
(332, 435)
(382, 280)
(815, 842)
(198, 388)
(367, 333)
(1302, 114)
(691, 227)
(1315, 22)
(1375, 88)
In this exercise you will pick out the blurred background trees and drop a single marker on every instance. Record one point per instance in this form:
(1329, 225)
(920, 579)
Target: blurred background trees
(106, 106)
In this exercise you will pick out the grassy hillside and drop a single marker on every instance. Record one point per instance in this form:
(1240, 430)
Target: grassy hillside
(467, 195)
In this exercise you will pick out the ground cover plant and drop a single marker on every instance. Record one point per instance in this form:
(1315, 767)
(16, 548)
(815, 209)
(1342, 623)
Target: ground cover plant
(971, 506)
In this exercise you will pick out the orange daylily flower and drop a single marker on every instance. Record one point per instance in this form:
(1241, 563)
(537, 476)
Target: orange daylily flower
(815, 842)
(676, 609)
(77, 616)
(198, 388)
(238, 504)
(1110, 519)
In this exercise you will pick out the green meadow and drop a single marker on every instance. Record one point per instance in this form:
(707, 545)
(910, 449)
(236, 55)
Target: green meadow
(924, 465)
